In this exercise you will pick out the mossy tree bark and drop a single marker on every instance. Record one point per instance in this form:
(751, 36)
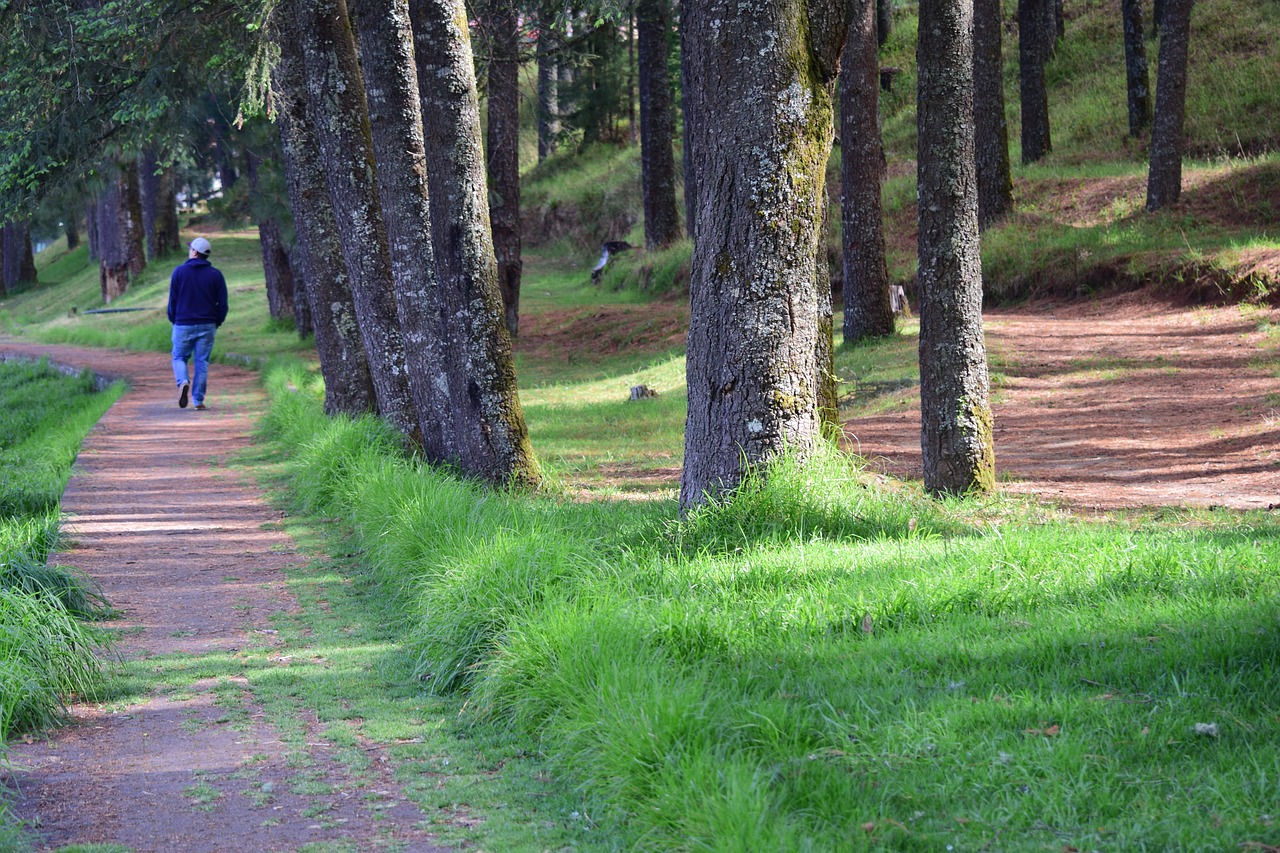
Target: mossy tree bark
(348, 384)
(867, 312)
(1135, 68)
(1164, 177)
(339, 115)
(657, 125)
(957, 428)
(1034, 42)
(503, 25)
(395, 117)
(492, 440)
(991, 128)
(761, 80)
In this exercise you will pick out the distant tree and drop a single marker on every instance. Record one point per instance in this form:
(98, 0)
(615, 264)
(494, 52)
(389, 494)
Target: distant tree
(156, 193)
(490, 436)
(657, 125)
(687, 154)
(991, 128)
(340, 118)
(348, 384)
(17, 261)
(754, 336)
(121, 254)
(884, 21)
(1135, 66)
(956, 437)
(502, 26)
(72, 219)
(867, 312)
(548, 86)
(1164, 177)
(1034, 41)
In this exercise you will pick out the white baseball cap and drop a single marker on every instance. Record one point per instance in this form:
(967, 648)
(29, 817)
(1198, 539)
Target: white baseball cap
(201, 245)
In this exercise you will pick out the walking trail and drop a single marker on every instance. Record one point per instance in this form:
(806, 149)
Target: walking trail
(190, 554)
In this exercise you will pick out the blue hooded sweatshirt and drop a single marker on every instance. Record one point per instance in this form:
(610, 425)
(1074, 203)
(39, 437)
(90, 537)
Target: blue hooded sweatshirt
(197, 294)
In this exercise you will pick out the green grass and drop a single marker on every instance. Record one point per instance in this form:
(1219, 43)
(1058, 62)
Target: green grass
(819, 662)
(53, 310)
(46, 654)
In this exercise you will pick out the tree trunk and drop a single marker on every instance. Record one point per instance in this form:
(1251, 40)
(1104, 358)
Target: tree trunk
(548, 92)
(991, 128)
(631, 78)
(686, 143)
(1135, 66)
(825, 380)
(1157, 16)
(1164, 177)
(884, 21)
(148, 192)
(336, 104)
(657, 131)
(754, 324)
(72, 227)
(867, 312)
(276, 269)
(348, 385)
(395, 114)
(19, 265)
(120, 233)
(957, 427)
(491, 439)
(91, 225)
(1033, 50)
(275, 256)
(504, 153)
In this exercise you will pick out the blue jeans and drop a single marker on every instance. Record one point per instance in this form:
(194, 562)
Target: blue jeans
(197, 341)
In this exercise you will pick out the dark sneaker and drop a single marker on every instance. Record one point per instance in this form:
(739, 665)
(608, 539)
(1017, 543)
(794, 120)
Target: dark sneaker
(182, 395)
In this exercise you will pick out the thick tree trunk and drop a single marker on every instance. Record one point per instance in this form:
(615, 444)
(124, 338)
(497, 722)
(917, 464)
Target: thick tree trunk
(548, 92)
(991, 128)
(1164, 177)
(957, 427)
(1135, 66)
(657, 130)
(336, 104)
(763, 138)
(867, 312)
(120, 233)
(504, 153)
(158, 197)
(348, 385)
(687, 154)
(18, 264)
(1033, 51)
(395, 114)
(489, 429)
(884, 21)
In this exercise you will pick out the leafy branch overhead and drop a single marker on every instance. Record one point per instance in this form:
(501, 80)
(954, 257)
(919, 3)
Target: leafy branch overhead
(76, 77)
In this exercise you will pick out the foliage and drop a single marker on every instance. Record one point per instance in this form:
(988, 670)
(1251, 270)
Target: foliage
(76, 77)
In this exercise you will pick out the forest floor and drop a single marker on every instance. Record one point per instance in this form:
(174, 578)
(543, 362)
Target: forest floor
(1114, 403)
(192, 558)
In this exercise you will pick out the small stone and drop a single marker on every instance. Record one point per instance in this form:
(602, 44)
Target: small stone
(1205, 729)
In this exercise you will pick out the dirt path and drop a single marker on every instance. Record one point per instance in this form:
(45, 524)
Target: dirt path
(186, 549)
(1122, 402)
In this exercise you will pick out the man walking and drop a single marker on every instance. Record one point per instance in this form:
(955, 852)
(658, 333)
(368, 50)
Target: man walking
(197, 307)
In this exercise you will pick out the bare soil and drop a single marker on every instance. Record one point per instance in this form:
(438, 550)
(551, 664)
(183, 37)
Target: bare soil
(1121, 402)
(190, 554)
